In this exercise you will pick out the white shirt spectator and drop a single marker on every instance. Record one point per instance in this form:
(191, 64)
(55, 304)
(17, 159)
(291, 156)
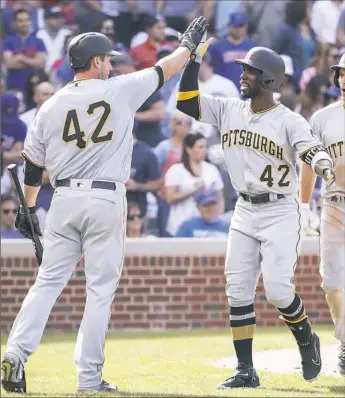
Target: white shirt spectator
(178, 175)
(28, 117)
(54, 46)
(324, 20)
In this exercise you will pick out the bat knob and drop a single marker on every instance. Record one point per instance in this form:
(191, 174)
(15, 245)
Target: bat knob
(12, 167)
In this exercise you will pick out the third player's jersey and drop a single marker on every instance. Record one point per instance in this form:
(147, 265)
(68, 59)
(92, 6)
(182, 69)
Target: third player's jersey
(259, 148)
(85, 130)
(328, 124)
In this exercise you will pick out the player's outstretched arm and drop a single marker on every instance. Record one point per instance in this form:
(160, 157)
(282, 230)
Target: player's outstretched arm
(307, 179)
(306, 186)
(320, 161)
(189, 42)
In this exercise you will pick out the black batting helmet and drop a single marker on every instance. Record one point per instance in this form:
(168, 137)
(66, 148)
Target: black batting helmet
(336, 68)
(270, 65)
(87, 45)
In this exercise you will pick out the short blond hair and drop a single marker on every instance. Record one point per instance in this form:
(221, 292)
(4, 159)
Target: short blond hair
(178, 115)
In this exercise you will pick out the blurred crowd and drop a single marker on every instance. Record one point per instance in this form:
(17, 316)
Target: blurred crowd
(179, 185)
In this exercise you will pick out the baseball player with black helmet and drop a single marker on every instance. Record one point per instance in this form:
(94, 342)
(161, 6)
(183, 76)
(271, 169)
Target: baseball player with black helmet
(328, 124)
(260, 139)
(83, 137)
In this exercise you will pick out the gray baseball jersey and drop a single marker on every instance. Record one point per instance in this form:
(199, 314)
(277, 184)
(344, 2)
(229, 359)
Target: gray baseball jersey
(328, 124)
(85, 129)
(83, 133)
(259, 148)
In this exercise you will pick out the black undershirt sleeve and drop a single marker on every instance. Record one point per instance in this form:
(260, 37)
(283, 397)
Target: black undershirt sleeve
(188, 96)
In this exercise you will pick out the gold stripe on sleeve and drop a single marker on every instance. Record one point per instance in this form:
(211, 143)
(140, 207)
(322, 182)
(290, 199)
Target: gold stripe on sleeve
(186, 95)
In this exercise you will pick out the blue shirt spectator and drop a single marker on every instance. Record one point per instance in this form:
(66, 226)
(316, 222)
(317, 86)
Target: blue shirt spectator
(288, 39)
(234, 46)
(8, 215)
(7, 19)
(23, 52)
(13, 130)
(145, 175)
(208, 224)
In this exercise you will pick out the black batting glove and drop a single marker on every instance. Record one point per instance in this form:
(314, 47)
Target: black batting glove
(194, 33)
(22, 224)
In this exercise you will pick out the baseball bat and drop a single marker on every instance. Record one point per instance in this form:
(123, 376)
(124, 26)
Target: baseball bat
(12, 168)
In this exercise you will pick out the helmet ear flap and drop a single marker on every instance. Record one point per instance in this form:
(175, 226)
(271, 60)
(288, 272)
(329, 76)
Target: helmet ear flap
(265, 82)
(336, 78)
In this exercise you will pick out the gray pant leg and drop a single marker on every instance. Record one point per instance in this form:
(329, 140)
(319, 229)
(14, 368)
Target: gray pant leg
(59, 259)
(103, 247)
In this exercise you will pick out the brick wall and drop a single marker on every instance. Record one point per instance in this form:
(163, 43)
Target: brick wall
(158, 293)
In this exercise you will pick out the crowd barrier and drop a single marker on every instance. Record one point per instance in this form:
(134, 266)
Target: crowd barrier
(166, 284)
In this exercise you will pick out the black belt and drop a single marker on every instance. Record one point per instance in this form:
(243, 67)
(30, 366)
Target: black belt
(95, 184)
(259, 199)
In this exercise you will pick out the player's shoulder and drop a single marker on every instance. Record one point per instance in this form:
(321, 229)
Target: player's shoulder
(289, 116)
(327, 110)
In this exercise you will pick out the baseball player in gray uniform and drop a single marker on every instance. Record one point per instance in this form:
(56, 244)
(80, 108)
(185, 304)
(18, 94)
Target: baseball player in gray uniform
(260, 139)
(328, 124)
(83, 137)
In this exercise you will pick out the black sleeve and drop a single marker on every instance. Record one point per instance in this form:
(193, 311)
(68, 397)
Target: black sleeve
(32, 173)
(159, 70)
(188, 100)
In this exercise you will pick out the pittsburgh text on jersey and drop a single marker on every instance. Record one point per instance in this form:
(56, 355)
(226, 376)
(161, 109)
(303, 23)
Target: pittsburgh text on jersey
(335, 150)
(252, 140)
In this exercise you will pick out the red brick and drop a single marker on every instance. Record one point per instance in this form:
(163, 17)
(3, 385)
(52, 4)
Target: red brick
(138, 290)
(190, 295)
(156, 281)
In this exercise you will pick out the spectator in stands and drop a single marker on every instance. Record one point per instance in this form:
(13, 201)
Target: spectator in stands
(88, 12)
(288, 38)
(53, 35)
(145, 174)
(150, 114)
(13, 130)
(8, 216)
(169, 152)
(6, 180)
(341, 29)
(107, 27)
(131, 14)
(208, 223)
(42, 92)
(309, 40)
(326, 56)
(222, 12)
(312, 99)
(145, 55)
(33, 6)
(324, 19)
(22, 107)
(135, 221)
(264, 18)
(23, 52)
(122, 64)
(235, 45)
(183, 180)
(36, 77)
(180, 13)
(64, 74)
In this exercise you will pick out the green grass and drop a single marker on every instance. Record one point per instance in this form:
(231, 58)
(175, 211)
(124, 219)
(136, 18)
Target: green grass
(170, 364)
